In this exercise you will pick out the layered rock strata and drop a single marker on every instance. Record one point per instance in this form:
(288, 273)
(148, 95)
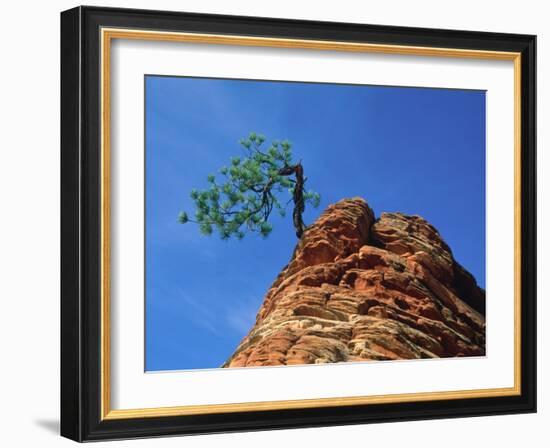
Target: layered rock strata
(359, 288)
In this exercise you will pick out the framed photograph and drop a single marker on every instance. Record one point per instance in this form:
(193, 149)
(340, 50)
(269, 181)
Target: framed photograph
(274, 223)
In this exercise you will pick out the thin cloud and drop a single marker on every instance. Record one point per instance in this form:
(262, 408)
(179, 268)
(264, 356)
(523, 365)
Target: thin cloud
(199, 312)
(242, 315)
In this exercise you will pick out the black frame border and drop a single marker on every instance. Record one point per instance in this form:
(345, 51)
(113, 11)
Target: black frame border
(81, 225)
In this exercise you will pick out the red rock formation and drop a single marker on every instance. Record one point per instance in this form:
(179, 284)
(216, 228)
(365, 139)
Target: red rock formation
(361, 289)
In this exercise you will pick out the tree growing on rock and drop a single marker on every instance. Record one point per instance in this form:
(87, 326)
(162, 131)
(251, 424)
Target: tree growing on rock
(250, 189)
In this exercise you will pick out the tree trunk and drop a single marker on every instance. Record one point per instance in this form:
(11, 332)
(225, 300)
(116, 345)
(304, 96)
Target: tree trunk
(298, 197)
(299, 205)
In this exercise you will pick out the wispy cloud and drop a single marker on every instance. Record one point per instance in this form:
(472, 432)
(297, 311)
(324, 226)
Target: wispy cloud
(205, 316)
(236, 315)
(201, 313)
(241, 316)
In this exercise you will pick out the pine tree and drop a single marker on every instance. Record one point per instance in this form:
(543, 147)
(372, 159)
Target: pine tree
(250, 189)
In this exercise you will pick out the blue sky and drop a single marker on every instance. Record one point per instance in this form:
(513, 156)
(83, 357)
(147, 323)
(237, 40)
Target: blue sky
(412, 150)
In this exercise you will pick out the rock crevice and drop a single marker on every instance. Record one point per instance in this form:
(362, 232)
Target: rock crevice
(359, 288)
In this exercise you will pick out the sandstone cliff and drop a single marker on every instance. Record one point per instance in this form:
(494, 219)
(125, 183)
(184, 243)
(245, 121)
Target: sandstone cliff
(359, 288)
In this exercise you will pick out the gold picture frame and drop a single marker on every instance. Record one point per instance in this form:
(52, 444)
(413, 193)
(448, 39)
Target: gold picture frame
(121, 25)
